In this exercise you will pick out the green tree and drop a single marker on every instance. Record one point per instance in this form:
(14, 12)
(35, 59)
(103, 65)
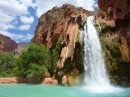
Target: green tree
(55, 56)
(7, 65)
(32, 62)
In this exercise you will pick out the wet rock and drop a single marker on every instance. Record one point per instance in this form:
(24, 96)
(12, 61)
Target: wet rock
(64, 80)
(114, 18)
(50, 81)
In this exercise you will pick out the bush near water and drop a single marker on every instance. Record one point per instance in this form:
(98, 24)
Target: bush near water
(33, 63)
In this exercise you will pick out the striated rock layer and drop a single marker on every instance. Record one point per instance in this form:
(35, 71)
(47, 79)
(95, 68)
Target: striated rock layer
(114, 18)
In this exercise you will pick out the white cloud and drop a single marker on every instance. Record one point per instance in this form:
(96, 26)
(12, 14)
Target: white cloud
(27, 2)
(6, 26)
(27, 20)
(5, 18)
(11, 11)
(49, 4)
(29, 36)
(24, 27)
(16, 37)
(12, 35)
(13, 7)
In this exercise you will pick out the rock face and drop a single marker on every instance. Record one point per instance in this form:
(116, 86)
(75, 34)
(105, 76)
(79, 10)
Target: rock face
(61, 22)
(64, 23)
(113, 12)
(9, 44)
(114, 18)
(2, 46)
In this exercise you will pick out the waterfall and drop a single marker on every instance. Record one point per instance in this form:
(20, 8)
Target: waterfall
(95, 71)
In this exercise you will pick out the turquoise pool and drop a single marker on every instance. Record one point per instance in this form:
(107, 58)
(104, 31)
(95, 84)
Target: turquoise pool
(29, 90)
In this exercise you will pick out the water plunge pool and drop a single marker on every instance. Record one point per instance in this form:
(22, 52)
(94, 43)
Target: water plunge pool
(30, 90)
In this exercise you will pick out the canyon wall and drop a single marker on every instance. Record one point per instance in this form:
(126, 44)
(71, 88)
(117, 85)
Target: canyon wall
(114, 18)
(7, 44)
(65, 22)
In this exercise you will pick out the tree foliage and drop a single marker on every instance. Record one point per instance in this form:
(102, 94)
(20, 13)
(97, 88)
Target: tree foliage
(31, 62)
(55, 55)
(7, 65)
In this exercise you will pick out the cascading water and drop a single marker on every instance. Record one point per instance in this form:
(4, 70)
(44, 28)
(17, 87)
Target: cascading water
(95, 72)
(96, 77)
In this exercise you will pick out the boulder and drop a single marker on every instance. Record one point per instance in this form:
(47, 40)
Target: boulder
(51, 81)
(64, 80)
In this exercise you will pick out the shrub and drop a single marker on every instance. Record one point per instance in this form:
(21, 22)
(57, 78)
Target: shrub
(7, 65)
(31, 62)
(54, 56)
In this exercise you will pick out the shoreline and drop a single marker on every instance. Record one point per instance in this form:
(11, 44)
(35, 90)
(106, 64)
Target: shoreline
(15, 80)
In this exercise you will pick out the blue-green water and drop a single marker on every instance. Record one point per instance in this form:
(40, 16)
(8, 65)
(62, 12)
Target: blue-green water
(25, 90)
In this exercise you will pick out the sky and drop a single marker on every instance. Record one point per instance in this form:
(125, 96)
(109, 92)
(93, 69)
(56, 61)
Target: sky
(18, 18)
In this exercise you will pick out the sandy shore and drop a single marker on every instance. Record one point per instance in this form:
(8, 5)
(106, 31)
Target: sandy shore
(13, 80)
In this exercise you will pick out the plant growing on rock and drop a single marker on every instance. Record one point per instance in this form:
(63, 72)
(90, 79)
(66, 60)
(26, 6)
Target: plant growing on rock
(54, 56)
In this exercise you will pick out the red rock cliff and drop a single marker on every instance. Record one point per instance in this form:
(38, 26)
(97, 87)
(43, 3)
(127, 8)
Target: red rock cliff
(61, 22)
(114, 18)
(113, 12)
(9, 44)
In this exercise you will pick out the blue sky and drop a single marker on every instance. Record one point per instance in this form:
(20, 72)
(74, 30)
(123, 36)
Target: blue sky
(18, 18)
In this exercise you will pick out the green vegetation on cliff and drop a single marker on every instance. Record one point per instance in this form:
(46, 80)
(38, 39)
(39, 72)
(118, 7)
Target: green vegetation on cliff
(116, 58)
(54, 57)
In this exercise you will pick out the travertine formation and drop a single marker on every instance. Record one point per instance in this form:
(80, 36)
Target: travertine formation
(113, 12)
(114, 18)
(61, 22)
